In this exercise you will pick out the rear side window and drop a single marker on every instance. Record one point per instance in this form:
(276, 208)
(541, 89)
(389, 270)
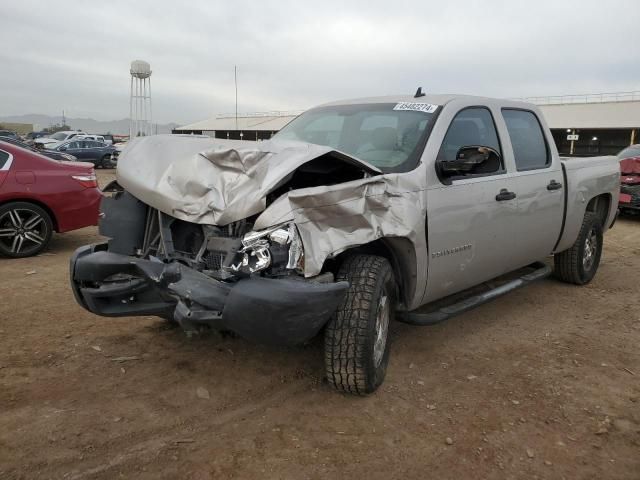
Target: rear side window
(4, 160)
(529, 145)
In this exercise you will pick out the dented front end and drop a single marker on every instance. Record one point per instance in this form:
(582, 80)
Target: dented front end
(227, 277)
(236, 235)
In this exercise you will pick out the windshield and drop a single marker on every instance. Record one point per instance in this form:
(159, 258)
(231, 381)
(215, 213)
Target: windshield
(632, 151)
(59, 136)
(389, 135)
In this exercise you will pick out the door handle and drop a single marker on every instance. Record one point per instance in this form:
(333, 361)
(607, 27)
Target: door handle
(505, 195)
(553, 185)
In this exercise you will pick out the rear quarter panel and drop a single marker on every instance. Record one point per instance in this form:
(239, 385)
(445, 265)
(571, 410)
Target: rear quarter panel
(587, 178)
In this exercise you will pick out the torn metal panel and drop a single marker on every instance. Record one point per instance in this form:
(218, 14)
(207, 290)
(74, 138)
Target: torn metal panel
(211, 181)
(335, 218)
(280, 211)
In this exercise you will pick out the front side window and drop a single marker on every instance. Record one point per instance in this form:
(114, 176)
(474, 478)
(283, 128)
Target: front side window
(527, 139)
(472, 127)
(384, 135)
(73, 145)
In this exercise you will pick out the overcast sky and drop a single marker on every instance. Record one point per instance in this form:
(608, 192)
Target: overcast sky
(75, 55)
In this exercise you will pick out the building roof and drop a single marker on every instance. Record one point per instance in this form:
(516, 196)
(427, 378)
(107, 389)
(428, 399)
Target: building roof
(254, 122)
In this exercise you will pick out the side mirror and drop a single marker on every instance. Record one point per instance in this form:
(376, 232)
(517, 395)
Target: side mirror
(468, 159)
(62, 149)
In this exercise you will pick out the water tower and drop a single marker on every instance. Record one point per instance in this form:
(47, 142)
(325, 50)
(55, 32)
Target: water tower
(140, 100)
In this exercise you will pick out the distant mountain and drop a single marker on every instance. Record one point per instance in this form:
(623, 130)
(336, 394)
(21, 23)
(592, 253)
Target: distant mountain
(89, 125)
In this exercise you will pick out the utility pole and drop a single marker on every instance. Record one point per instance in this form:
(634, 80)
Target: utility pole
(64, 119)
(235, 77)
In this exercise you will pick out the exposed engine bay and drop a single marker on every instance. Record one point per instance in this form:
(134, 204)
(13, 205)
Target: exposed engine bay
(224, 253)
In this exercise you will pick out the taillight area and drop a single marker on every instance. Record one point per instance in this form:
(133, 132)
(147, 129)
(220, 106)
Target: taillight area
(86, 180)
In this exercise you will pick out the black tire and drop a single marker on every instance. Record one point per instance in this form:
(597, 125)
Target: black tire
(579, 264)
(106, 162)
(25, 229)
(356, 341)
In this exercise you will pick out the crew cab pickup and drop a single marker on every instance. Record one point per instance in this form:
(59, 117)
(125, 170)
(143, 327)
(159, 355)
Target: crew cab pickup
(356, 213)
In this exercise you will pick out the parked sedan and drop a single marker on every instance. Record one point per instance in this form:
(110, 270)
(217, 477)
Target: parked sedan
(98, 153)
(8, 134)
(43, 151)
(39, 196)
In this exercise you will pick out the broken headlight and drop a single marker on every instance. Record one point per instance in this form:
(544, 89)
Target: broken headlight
(278, 246)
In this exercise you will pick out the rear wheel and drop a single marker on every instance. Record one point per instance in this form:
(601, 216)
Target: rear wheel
(579, 264)
(357, 336)
(25, 229)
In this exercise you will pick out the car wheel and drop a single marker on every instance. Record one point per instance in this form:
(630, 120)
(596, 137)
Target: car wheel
(106, 162)
(25, 229)
(356, 342)
(579, 264)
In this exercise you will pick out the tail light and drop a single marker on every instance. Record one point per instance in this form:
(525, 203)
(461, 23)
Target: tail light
(87, 180)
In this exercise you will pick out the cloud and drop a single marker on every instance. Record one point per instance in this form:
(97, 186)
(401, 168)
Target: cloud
(75, 55)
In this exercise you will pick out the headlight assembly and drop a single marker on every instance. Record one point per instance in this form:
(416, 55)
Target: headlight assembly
(278, 246)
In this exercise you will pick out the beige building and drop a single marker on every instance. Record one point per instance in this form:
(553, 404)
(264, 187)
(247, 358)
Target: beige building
(599, 124)
(251, 126)
(19, 128)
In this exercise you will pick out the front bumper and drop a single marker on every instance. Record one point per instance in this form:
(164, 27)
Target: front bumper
(273, 311)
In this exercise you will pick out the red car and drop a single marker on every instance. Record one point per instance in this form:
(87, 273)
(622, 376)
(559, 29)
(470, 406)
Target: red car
(39, 196)
(630, 184)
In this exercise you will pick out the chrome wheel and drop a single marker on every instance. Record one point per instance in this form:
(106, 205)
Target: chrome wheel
(382, 329)
(23, 231)
(590, 250)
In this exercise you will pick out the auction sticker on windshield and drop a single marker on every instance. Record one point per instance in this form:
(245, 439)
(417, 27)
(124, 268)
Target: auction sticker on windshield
(416, 107)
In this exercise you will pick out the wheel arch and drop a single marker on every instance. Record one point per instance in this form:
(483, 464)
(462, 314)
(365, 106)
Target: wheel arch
(401, 253)
(38, 203)
(601, 206)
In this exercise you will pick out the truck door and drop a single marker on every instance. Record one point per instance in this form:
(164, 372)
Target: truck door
(73, 148)
(471, 222)
(540, 186)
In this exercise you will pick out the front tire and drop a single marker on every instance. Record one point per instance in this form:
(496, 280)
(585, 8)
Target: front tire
(356, 342)
(579, 264)
(25, 229)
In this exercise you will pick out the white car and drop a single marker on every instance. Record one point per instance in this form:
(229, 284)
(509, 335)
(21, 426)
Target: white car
(97, 138)
(57, 138)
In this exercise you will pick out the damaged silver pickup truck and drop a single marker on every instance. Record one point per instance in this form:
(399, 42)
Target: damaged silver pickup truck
(355, 214)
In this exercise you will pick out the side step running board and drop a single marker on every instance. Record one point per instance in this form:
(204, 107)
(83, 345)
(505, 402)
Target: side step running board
(444, 313)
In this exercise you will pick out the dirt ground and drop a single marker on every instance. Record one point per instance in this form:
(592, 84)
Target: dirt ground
(542, 383)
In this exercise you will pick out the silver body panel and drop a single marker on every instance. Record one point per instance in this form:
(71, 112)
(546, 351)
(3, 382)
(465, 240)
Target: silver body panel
(445, 238)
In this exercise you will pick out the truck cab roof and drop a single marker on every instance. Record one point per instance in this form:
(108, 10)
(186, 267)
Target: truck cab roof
(434, 99)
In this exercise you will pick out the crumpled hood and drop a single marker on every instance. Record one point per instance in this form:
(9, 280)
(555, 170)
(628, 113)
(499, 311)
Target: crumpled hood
(212, 181)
